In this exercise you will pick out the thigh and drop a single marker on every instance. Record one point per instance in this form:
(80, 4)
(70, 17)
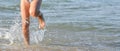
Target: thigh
(24, 7)
(35, 5)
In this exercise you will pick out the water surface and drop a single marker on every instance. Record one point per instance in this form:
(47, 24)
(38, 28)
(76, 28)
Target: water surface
(90, 24)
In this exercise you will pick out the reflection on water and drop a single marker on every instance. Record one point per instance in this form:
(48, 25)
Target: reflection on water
(86, 24)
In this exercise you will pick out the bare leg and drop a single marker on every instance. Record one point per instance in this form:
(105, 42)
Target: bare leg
(25, 5)
(34, 11)
(41, 21)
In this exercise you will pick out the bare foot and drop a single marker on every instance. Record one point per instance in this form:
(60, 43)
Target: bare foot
(42, 25)
(41, 22)
(27, 45)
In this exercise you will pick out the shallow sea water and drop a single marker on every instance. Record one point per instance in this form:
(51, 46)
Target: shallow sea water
(76, 25)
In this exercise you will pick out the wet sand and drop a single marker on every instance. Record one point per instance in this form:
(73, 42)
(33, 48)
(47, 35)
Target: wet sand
(40, 48)
(53, 48)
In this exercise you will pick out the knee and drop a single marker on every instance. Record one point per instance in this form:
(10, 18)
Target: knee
(33, 13)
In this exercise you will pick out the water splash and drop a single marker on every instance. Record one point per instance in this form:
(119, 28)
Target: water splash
(14, 34)
(37, 36)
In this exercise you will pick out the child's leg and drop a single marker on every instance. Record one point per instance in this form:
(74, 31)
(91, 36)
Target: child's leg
(25, 5)
(35, 12)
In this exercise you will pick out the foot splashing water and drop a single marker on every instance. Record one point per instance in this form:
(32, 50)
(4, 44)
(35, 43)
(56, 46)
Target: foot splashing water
(14, 35)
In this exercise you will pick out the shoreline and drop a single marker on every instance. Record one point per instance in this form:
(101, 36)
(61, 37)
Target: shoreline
(39, 48)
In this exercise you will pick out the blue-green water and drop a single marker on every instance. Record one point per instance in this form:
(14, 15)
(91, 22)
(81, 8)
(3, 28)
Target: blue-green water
(93, 24)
